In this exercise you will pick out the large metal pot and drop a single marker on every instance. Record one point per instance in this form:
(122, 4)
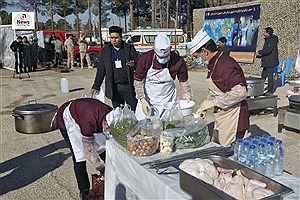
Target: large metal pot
(35, 118)
(255, 86)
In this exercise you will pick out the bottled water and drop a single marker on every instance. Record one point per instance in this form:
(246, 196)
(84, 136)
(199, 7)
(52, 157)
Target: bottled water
(279, 158)
(261, 159)
(270, 167)
(272, 139)
(257, 138)
(255, 142)
(263, 140)
(244, 153)
(248, 139)
(266, 136)
(252, 157)
(237, 149)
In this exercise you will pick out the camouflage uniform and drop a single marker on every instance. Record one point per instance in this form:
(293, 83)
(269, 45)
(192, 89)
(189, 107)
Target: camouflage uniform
(83, 46)
(70, 49)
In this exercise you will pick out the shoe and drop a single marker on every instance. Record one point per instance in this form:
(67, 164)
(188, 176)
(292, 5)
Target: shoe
(90, 67)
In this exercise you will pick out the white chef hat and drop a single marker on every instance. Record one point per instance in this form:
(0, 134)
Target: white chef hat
(162, 46)
(198, 41)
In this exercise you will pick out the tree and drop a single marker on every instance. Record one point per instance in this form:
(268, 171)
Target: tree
(2, 4)
(62, 24)
(6, 18)
(65, 8)
(131, 15)
(120, 8)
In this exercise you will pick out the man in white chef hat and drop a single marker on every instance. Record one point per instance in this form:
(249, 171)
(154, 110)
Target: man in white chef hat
(227, 90)
(154, 76)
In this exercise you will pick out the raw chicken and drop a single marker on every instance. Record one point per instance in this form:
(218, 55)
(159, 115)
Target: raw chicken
(255, 189)
(223, 178)
(235, 187)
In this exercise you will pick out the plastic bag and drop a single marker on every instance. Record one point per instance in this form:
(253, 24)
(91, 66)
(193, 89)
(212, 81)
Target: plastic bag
(153, 117)
(172, 117)
(123, 121)
(143, 140)
(194, 135)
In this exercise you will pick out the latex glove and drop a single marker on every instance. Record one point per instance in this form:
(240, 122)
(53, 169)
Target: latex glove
(206, 105)
(145, 105)
(188, 98)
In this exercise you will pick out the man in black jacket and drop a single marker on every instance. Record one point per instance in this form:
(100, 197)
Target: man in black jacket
(117, 65)
(269, 58)
(15, 47)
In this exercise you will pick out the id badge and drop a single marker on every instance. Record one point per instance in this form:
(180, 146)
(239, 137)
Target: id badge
(118, 64)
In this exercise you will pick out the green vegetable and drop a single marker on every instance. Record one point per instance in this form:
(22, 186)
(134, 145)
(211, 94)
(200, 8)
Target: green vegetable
(193, 140)
(120, 129)
(170, 126)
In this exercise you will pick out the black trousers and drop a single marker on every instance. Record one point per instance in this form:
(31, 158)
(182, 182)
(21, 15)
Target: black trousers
(80, 170)
(268, 73)
(122, 94)
(18, 62)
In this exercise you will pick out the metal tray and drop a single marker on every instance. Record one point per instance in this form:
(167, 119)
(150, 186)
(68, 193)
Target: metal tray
(201, 190)
(294, 83)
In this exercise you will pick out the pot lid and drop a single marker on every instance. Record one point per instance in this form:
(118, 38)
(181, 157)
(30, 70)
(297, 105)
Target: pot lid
(35, 109)
(251, 79)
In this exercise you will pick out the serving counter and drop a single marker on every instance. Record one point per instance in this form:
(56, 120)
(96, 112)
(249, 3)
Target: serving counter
(126, 178)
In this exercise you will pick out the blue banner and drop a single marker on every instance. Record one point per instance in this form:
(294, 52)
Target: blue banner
(238, 25)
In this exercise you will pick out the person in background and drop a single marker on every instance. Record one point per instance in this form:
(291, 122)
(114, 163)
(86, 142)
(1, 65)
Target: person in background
(117, 64)
(58, 48)
(269, 58)
(227, 90)
(26, 55)
(222, 46)
(34, 47)
(69, 46)
(83, 46)
(77, 121)
(52, 48)
(155, 74)
(15, 47)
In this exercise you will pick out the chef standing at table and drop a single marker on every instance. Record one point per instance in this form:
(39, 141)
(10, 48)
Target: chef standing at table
(227, 90)
(155, 73)
(78, 120)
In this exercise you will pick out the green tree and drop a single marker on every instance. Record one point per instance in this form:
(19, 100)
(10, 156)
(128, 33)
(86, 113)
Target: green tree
(121, 9)
(2, 4)
(62, 24)
(64, 9)
(6, 18)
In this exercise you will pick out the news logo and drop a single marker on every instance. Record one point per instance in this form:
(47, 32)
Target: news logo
(23, 20)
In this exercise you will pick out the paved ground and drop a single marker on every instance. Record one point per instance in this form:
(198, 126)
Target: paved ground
(39, 166)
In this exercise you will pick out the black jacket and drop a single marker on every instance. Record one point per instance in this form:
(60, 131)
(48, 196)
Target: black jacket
(269, 53)
(15, 46)
(105, 68)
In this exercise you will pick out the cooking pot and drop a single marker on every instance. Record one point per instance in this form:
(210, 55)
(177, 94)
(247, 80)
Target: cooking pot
(294, 102)
(255, 86)
(35, 118)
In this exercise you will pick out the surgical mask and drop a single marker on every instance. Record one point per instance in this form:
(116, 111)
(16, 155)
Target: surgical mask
(199, 61)
(163, 60)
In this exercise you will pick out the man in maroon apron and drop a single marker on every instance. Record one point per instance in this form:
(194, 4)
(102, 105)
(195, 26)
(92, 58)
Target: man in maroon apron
(78, 120)
(227, 90)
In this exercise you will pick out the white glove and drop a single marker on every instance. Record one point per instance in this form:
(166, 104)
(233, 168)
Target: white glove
(206, 105)
(188, 98)
(145, 105)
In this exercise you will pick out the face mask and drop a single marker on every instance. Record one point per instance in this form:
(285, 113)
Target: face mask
(199, 61)
(163, 60)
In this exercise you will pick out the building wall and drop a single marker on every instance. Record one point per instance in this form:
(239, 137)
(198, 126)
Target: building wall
(281, 15)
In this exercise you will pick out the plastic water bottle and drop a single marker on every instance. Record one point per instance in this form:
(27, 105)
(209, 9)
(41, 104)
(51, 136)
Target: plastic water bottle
(272, 139)
(270, 167)
(261, 159)
(64, 85)
(257, 137)
(248, 139)
(263, 140)
(254, 142)
(237, 149)
(252, 157)
(279, 158)
(244, 153)
(266, 136)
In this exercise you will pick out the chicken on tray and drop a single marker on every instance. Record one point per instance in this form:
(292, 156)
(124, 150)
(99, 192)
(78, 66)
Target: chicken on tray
(234, 184)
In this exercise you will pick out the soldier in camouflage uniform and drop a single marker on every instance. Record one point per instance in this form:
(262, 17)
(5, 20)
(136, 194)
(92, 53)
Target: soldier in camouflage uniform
(83, 46)
(69, 46)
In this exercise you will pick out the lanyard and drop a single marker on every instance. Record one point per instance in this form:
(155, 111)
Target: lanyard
(117, 53)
